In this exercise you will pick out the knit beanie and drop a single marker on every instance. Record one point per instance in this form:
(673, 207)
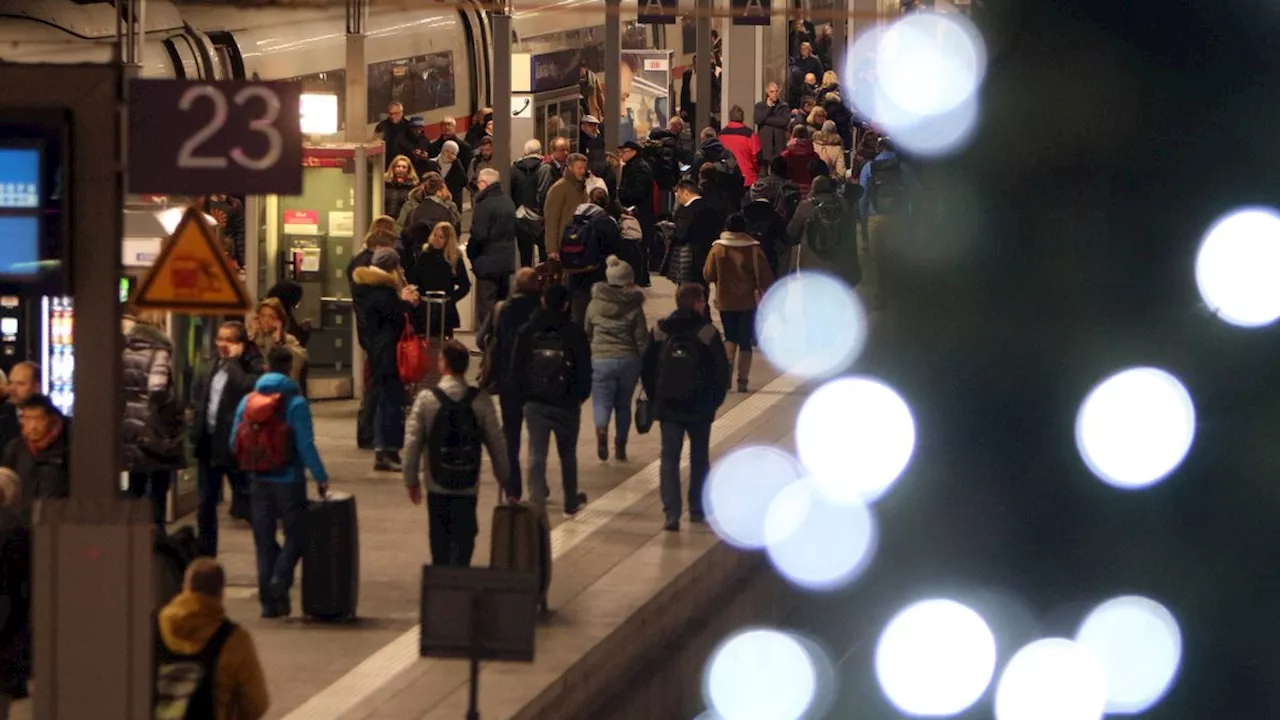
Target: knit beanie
(386, 258)
(618, 272)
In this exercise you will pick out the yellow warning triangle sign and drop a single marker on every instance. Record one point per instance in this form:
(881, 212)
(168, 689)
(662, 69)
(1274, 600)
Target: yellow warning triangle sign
(192, 274)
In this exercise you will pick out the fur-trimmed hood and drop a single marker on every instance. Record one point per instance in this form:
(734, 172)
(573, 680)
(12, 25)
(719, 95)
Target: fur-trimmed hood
(376, 277)
(736, 239)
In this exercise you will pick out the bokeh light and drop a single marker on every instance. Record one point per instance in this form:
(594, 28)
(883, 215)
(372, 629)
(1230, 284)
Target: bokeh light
(760, 674)
(1052, 679)
(935, 658)
(740, 489)
(1140, 646)
(939, 135)
(1238, 267)
(856, 436)
(928, 63)
(811, 325)
(815, 543)
(1135, 427)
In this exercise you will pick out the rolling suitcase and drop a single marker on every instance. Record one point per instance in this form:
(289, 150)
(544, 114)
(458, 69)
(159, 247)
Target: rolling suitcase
(331, 559)
(437, 316)
(522, 541)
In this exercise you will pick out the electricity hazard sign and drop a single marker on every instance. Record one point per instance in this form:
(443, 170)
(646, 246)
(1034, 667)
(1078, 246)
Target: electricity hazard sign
(192, 274)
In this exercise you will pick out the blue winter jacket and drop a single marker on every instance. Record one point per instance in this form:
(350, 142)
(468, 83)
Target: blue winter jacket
(298, 416)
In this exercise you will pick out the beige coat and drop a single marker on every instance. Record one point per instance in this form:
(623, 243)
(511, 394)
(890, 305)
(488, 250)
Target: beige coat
(562, 200)
(831, 151)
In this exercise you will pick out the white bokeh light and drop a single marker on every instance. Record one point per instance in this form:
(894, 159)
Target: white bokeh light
(939, 135)
(928, 64)
(811, 324)
(1140, 646)
(1052, 679)
(760, 674)
(855, 435)
(1135, 427)
(740, 489)
(1238, 267)
(935, 658)
(815, 543)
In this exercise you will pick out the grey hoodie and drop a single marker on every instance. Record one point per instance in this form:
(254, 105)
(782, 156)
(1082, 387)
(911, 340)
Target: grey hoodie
(417, 449)
(615, 322)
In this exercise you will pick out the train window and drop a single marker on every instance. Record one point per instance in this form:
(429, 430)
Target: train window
(420, 84)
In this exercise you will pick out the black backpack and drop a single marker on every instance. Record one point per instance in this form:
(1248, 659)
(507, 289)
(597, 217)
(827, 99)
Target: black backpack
(549, 375)
(888, 191)
(826, 230)
(661, 156)
(681, 376)
(184, 683)
(574, 243)
(455, 441)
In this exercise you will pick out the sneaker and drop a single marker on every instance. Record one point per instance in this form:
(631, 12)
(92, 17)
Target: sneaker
(742, 386)
(672, 525)
(571, 510)
(698, 518)
(383, 462)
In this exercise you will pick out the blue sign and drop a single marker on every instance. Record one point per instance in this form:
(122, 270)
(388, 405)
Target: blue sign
(19, 178)
(19, 246)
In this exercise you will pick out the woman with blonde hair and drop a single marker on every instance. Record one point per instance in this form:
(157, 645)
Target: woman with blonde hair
(440, 268)
(817, 116)
(399, 179)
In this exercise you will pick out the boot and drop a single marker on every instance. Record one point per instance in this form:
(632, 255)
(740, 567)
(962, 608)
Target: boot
(620, 451)
(602, 443)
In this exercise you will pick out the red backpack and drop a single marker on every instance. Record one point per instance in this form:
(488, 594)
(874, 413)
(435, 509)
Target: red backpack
(263, 441)
(413, 357)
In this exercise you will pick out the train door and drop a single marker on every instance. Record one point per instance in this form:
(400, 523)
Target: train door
(475, 26)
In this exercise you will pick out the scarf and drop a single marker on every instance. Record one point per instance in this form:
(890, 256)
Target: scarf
(40, 444)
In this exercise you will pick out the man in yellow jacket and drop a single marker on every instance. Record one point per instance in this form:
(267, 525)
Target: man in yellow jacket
(203, 660)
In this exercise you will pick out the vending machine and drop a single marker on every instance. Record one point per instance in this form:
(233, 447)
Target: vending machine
(57, 359)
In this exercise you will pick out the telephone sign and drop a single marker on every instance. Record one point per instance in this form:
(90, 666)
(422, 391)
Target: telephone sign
(193, 137)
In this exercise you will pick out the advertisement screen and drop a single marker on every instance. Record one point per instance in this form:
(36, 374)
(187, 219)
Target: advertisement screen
(19, 246)
(19, 178)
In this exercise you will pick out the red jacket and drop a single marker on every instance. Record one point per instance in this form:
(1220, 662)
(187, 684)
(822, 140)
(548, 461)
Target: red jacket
(799, 154)
(745, 146)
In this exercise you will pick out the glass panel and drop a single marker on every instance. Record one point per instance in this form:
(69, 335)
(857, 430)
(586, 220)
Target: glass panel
(421, 84)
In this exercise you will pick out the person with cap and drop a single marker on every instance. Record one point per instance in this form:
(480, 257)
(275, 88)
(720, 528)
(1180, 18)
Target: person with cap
(385, 300)
(635, 191)
(416, 146)
(615, 325)
(591, 144)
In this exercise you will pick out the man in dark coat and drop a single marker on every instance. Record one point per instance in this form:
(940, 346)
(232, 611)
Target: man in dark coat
(41, 457)
(524, 195)
(698, 225)
(492, 248)
(214, 401)
(635, 190)
(772, 116)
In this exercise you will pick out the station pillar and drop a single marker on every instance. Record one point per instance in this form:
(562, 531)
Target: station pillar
(743, 79)
(356, 118)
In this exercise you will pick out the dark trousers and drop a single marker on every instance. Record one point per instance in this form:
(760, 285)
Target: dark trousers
(489, 290)
(364, 417)
(543, 421)
(156, 486)
(274, 502)
(527, 241)
(453, 527)
(512, 420)
(388, 412)
(208, 487)
(669, 469)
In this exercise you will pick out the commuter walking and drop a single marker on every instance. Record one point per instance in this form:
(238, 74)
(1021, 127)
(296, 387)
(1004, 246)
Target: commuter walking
(435, 207)
(552, 368)
(798, 155)
(635, 192)
(698, 225)
(825, 229)
(616, 328)
(385, 301)
(743, 142)
(737, 266)
(440, 269)
(214, 401)
(551, 170)
(828, 145)
(379, 236)
(686, 375)
(524, 194)
(884, 206)
(193, 632)
(563, 200)
(772, 116)
(462, 149)
(152, 431)
(274, 444)
(492, 248)
(270, 329)
(453, 168)
(449, 426)
(399, 180)
(593, 236)
(498, 374)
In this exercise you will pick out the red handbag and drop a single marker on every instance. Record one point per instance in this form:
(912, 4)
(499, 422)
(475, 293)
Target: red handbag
(413, 358)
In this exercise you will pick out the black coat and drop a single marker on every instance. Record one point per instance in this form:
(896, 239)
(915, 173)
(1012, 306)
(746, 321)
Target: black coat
(46, 474)
(9, 427)
(492, 247)
(515, 313)
(152, 423)
(465, 150)
(594, 149)
(698, 225)
(635, 189)
(393, 196)
(213, 447)
(424, 218)
(715, 370)
(524, 182)
(433, 273)
(771, 127)
(384, 316)
(605, 239)
(576, 345)
(15, 598)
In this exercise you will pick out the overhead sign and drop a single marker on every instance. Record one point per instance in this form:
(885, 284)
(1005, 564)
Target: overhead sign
(193, 138)
(750, 12)
(192, 275)
(657, 12)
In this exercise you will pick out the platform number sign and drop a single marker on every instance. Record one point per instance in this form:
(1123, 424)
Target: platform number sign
(193, 138)
(751, 12)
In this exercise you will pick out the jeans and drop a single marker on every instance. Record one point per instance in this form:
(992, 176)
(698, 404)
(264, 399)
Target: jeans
(453, 528)
(512, 420)
(699, 465)
(489, 290)
(271, 502)
(543, 420)
(388, 413)
(208, 485)
(364, 417)
(613, 383)
(156, 486)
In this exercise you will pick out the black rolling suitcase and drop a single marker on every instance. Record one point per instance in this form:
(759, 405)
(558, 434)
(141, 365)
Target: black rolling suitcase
(331, 559)
(522, 541)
